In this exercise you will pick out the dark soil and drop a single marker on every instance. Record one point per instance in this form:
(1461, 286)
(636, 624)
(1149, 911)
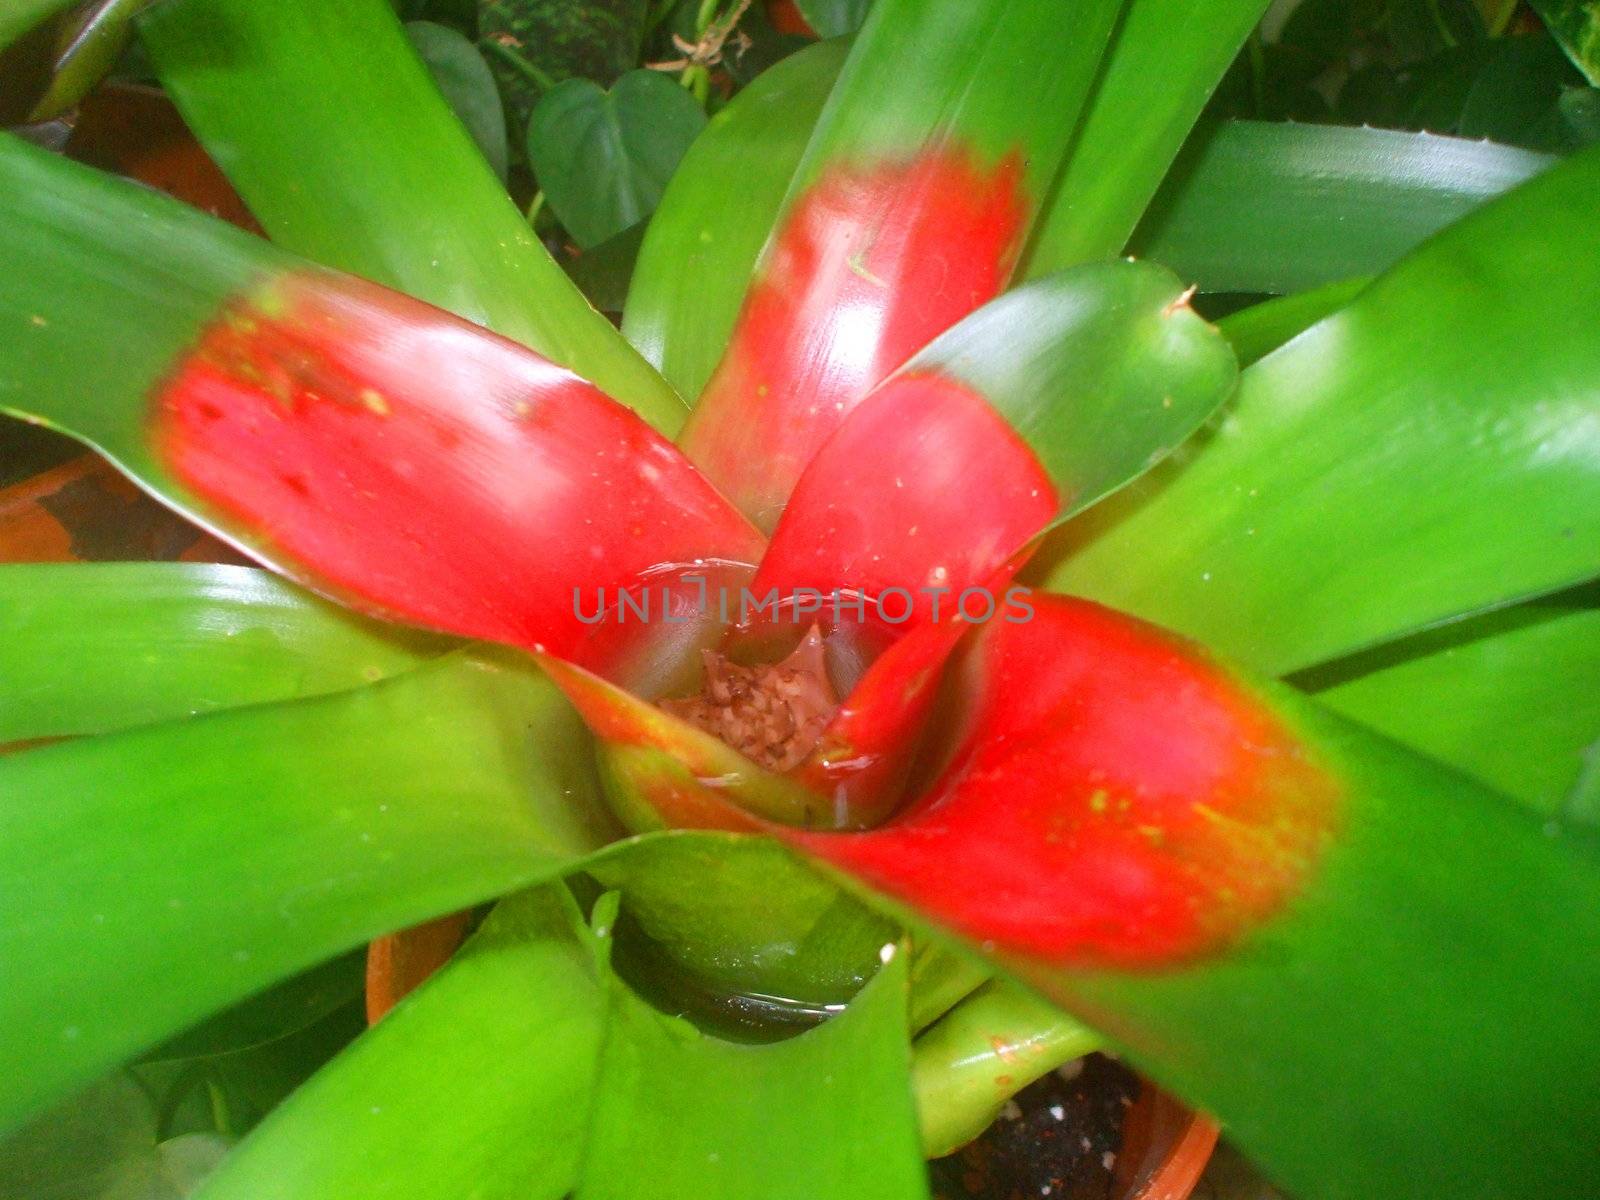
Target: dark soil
(1061, 1141)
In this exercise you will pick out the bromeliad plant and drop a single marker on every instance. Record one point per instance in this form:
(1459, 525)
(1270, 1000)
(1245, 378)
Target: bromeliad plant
(1353, 915)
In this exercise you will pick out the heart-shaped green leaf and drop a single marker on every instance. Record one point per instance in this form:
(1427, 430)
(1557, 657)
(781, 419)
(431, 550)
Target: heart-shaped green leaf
(834, 18)
(604, 158)
(1576, 25)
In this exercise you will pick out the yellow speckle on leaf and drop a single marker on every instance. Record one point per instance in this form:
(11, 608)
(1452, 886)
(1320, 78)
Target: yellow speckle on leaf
(857, 263)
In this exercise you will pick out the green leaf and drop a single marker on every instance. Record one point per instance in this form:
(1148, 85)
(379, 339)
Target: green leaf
(295, 100)
(89, 47)
(533, 44)
(1130, 130)
(477, 1083)
(834, 18)
(1508, 697)
(1233, 215)
(1103, 369)
(929, 161)
(1515, 95)
(90, 255)
(826, 1115)
(233, 1092)
(467, 85)
(604, 272)
(189, 889)
(1426, 499)
(743, 915)
(603, 158)
(91, 648)
(1260, 207)
(985, 1050)
(1579, 111)
(1260, 329)
(1576, 25)
(496, 1058)
(699, 250)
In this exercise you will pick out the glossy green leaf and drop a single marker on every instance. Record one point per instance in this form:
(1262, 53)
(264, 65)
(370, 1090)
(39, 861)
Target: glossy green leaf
(603, 157)
(185, 890)
(1442, 913)
(1576, 25)
(154, 412)
(1424, 498)
(699, 250)
(1131, 131)
(1262, 207)
(88, 48)
(743, 915)
(1260, 329)
(296, 100)
(467, 85)
(478, 1083)
(87, 252)
(1102, 369)
(1509, 697)
(826, 1115)
(834, 18)
(964, 72)
(91, 648)
(985, 1050)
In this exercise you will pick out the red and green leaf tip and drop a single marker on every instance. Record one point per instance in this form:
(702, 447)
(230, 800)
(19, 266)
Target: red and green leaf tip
(867, 267)
(371, 440)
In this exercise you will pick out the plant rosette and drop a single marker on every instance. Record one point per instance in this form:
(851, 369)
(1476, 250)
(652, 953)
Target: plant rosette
(879, 695)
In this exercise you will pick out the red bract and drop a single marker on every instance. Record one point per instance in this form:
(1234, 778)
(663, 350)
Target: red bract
(923, 488)
(411, 465)
(1072, 827)
(869, 265)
